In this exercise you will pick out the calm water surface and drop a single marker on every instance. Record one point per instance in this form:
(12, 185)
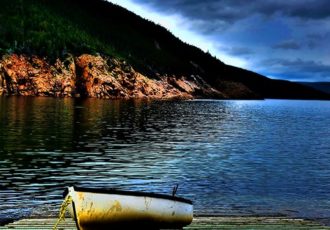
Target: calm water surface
(230, 157)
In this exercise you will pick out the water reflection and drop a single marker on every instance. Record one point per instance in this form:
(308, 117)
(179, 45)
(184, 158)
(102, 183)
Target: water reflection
(35, 123)
(230, 157)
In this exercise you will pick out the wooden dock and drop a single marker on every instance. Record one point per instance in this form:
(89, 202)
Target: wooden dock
(239, 223)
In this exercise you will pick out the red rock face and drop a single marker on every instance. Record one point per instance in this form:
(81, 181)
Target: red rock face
(110, 78)
(33, 76)
(93, 76)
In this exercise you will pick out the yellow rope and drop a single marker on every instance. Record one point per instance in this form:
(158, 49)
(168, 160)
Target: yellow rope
(64, 206)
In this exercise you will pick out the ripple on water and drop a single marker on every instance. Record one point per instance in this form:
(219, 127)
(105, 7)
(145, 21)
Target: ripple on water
(229, 157)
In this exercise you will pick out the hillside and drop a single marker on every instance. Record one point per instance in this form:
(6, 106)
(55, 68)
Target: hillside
(321, 86)
(58, 33)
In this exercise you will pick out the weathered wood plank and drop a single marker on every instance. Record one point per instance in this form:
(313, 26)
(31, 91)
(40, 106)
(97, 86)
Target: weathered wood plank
(226, 223)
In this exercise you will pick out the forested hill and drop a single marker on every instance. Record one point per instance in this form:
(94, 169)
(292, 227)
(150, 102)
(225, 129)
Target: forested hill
(322, 86)
(62, 31)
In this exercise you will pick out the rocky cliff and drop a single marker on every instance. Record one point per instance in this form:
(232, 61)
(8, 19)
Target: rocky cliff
(137, 57)
(96, 76)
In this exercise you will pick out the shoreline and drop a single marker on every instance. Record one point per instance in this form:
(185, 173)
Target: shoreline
(175, 98)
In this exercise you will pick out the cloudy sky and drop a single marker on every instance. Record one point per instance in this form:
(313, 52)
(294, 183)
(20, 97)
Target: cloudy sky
(283, 39)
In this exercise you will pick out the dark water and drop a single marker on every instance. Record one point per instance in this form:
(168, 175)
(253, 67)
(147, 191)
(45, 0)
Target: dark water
(230, 157)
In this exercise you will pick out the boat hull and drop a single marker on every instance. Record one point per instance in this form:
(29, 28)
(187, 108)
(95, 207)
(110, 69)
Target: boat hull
(95, 210)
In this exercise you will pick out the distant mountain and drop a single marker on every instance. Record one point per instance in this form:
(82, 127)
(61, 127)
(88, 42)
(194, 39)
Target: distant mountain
(60, 48)
(321, 86)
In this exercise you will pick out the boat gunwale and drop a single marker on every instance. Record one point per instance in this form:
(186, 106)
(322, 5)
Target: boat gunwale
(128, 193)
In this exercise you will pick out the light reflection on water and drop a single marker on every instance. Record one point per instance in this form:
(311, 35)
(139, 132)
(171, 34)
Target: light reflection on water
(229, 157)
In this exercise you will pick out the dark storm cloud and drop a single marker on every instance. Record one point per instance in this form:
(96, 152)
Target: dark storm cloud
(204, 10)
(298, 67)
(287, 45)
(318, 36)
(233, 10)
(311, 66)
(205, 27)
(215, 16)
(312, 44)
(314, 39)
(251, 31)
(237, 51)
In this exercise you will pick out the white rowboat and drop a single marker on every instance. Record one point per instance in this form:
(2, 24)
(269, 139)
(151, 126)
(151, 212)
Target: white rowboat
(109, 209)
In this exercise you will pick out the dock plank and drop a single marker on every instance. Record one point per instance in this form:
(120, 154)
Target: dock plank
(225, 223)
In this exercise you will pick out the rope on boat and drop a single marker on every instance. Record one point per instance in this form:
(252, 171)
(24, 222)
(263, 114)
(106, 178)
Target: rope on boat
(63, 209)
(175, 189)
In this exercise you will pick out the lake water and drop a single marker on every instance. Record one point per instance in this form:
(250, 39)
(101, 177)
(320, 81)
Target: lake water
(267, 157)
